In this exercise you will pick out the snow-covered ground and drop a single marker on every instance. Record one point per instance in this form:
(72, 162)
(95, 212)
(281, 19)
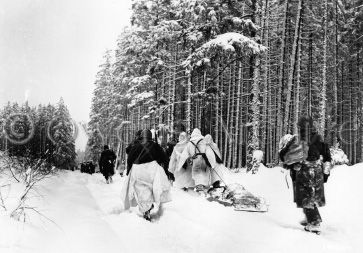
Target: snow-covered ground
(87, 218)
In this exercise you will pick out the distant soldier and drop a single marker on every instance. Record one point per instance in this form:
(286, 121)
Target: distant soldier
(92, 167)
(106, 163)
(83, 167)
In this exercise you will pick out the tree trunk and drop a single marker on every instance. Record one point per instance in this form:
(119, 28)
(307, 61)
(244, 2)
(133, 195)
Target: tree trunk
(226, 131)
(297, 96)
(217, 111)
(256, 104)
(292, 68)
(173, 86)
(360, 80)
(265, 137)
(335, 82)
(189, 101)
(281, 74)
(324, 83)
(238, 105)
(231, 131)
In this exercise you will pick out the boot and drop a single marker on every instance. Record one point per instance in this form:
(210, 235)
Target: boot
(147, 215)
(111, 180)
(313, 228)
(199, 188)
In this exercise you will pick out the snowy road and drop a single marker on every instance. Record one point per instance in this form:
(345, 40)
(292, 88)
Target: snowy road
(88, 218)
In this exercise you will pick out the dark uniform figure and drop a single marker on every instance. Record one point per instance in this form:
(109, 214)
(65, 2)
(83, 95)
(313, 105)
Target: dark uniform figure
(147, 151)
(309, 161)
(135, 142)
(106, 163)
(83, 167)
(148, 176)
(91, 167)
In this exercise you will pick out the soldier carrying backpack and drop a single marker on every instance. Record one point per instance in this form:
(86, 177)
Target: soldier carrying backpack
(308, 158)
(196, 149)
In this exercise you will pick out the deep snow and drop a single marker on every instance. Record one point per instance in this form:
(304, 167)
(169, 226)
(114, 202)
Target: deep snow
(88, 219)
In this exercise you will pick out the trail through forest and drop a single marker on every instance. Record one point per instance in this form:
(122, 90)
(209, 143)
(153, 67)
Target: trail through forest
(88, 217)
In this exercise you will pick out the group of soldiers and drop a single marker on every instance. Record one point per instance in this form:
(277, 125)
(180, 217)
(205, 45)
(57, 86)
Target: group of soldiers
(106, 164)
(88, 167)
(194, 162)
(190, 158)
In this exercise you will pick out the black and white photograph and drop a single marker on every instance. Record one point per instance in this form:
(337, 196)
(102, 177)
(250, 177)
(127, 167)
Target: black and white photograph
(186, 126)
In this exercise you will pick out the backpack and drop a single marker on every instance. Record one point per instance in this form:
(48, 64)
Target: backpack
(199, 153)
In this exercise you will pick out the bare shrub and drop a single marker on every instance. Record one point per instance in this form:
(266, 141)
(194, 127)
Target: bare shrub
(19, 177)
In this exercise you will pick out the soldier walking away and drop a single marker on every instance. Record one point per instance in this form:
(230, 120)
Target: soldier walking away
(83, 167)
(196, 150)
(183, 177)
(309, 161)
(147, 184)
(218, 170)
(106, 163)
(92, 167)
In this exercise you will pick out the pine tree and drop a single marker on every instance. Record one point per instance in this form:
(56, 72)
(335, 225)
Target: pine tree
(62, 136)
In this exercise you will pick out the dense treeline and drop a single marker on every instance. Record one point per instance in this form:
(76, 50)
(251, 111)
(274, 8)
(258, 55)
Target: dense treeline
(45, 132)
(243, 71)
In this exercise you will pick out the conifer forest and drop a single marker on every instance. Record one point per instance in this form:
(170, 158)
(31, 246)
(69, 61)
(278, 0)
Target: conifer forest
(243, 71)
(44, 132)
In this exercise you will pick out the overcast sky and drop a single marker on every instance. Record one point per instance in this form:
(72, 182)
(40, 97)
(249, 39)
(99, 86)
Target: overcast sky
(52, 48)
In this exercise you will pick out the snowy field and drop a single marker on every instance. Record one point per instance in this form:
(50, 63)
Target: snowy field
(87, 218)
